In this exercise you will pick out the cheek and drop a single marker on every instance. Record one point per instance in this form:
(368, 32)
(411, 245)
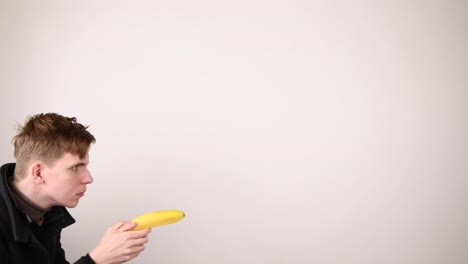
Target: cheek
(62, 185)
(58, 188)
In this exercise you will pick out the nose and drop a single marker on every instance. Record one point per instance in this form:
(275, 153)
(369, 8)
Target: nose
(87, 179)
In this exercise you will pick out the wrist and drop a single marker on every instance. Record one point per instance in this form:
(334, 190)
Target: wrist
(94, 256)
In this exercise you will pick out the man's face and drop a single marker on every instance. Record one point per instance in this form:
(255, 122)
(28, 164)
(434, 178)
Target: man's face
(65, 180)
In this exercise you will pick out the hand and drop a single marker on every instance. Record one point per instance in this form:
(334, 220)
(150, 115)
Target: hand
(119, 244)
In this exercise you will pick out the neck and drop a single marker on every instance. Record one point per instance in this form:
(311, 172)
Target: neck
(29, 193)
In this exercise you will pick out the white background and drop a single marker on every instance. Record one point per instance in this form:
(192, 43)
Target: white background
(288, 131)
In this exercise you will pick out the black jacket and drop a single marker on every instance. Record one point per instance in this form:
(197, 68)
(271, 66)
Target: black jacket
(25, 242)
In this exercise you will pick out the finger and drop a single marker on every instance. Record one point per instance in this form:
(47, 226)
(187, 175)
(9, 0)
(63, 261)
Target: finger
(132, 253)
(139, 242)
(130, 257)
(139, 233)
(117, 225)
(126, 226)
(146, 231)
(137, 249)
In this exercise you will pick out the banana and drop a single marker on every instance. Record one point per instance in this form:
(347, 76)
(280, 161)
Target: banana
(158, 218)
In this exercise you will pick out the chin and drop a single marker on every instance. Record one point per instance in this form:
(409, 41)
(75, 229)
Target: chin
(71, 204)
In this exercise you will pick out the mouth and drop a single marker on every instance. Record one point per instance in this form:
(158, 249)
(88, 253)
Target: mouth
(81, 194)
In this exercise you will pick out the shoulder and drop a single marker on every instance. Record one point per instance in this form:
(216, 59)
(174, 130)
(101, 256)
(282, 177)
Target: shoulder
(5, 223)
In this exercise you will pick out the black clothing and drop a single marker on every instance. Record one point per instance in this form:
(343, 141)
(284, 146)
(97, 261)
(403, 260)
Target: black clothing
(23, 241)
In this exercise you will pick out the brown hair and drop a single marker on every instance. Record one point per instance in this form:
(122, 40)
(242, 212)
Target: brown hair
(48, 137)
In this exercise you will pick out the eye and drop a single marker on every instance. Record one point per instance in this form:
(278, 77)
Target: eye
(76, 167)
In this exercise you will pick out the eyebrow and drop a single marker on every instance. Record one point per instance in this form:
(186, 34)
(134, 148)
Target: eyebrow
(77, 164)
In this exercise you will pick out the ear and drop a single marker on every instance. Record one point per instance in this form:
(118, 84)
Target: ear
(36, 170)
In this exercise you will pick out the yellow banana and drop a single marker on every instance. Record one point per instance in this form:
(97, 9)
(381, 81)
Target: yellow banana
(158, 218)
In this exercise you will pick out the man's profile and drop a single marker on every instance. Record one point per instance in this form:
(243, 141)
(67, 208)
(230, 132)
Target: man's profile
(51, 174)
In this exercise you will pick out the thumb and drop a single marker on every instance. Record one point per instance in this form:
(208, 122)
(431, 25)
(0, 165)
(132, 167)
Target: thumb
(127, 226)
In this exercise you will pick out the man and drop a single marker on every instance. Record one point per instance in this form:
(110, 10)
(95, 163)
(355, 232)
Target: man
(50, 174)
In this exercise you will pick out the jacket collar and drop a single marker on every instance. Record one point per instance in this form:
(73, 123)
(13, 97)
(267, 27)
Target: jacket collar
(56, 219)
